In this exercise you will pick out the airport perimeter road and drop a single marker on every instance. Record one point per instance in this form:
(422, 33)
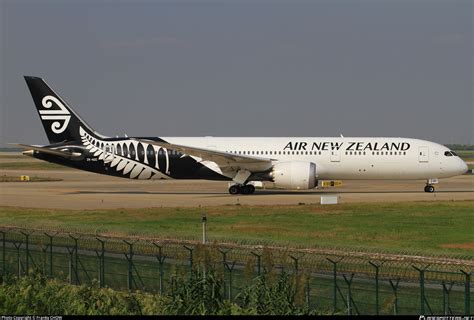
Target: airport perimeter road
(82, 190)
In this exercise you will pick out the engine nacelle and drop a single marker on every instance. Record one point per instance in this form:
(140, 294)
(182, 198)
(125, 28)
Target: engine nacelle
(300, 175)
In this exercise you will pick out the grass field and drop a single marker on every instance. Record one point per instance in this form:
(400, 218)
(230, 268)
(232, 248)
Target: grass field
(417, 227)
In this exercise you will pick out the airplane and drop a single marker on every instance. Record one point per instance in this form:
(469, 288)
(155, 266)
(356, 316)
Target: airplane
(296, 163)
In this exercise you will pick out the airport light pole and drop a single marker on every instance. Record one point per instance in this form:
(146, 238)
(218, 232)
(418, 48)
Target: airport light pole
(204, 220)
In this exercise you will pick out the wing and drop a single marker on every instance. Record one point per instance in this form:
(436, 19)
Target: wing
(226, 161)
(56, 152)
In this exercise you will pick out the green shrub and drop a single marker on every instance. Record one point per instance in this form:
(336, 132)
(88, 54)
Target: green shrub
(199, 294)
(36, 294)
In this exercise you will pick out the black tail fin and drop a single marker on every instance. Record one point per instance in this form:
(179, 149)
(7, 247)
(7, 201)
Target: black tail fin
(60, 122)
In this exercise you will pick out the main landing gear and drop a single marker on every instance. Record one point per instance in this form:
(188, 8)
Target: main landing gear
(241, 189)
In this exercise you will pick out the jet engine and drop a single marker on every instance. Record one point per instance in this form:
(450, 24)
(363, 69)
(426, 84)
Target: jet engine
(300, 175)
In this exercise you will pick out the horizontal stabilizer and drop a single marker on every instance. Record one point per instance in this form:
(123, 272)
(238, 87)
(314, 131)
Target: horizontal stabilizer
(56, 152)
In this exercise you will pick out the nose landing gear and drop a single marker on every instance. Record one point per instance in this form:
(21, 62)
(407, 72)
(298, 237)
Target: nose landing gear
(429, 188)
(242, 189)
(429, 185)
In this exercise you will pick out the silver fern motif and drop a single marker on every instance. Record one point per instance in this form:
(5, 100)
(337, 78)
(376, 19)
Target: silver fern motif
(106, 151)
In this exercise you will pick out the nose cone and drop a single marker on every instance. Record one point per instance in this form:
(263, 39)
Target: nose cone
(463, 168)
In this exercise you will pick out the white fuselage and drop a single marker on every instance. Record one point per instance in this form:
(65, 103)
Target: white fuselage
(290, 163)
(343, 158)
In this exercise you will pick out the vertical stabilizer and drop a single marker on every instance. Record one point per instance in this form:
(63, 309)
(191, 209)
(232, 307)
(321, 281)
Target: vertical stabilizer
(60, 122)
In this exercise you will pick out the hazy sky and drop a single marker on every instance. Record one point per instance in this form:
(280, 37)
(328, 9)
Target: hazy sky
(243, 68)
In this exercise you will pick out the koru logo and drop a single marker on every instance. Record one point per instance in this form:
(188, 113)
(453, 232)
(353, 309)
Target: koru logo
(61, 114)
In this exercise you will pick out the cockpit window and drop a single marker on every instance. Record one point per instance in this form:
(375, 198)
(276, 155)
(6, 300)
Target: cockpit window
(454, 153)
(448, 154)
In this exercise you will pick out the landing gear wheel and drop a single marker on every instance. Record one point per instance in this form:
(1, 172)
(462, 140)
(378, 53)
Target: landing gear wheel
(429, 188)
(247, 189)
(251, 188)
(234, 189)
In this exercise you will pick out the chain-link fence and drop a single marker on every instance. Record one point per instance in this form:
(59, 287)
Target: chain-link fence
(329, 282)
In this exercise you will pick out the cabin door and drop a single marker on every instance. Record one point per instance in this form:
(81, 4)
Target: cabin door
(423, 154)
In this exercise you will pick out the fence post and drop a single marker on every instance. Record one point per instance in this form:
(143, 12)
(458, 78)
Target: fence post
(446, 292)
(376, 266)
(18, 246)
(76, 257)
(44, 251)
(27, 250)
(295, 260)
(101, 257)
(3, 254)
(71, 263)
(190, 249)
(230, 269)
(334, 268)
(130, 264)
(308, 289)
(395, 293)
(258, 256)
(161, 260)
(224, 262)
(349, 293)
(422, 287)
(467, 292)
(50, 254)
